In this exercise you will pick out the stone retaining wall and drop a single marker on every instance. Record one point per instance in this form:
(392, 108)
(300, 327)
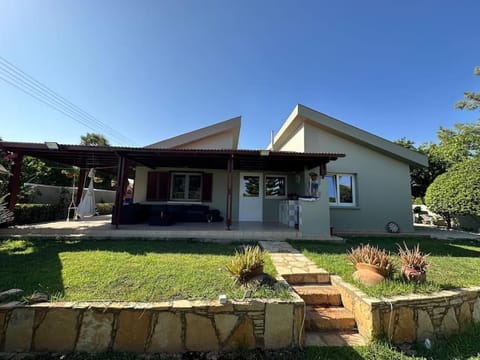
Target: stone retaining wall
(411, 318)
(171, 327)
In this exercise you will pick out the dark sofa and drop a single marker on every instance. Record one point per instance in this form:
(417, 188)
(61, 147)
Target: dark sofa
(167, 214)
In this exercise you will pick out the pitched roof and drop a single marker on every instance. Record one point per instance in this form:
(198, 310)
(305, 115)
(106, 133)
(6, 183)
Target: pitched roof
(191, 139)
(302, 114)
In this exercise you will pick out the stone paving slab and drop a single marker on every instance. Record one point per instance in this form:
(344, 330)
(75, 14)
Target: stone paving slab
(289, 261)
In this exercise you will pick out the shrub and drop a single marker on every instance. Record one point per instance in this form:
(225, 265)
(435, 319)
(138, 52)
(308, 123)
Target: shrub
(456, 192)
(247, 263)
(413, 258)
(104, 208)
(35, 213)
(374, 256)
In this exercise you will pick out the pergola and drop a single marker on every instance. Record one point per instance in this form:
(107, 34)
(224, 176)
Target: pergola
(125, 159)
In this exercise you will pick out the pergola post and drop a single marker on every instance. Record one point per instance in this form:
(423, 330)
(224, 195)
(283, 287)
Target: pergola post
(228, 217)
(121, 175)
(80, 185)
(14, 183)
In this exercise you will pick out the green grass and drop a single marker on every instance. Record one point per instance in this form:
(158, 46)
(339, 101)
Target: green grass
(123, 270)
(453, 264)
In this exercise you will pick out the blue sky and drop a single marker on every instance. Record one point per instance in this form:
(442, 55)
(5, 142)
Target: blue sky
(156, 69)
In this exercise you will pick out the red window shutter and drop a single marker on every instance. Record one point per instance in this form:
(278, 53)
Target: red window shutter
(163, 185)
(207, 187)
(158, 185)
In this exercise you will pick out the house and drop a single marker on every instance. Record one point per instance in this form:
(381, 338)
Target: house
(318, 173)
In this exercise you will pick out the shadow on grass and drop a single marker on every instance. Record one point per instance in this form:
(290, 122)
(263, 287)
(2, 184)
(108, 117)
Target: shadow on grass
(454, 248)
(35, 265)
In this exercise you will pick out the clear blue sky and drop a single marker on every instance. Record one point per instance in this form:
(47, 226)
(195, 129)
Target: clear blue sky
(156, 69)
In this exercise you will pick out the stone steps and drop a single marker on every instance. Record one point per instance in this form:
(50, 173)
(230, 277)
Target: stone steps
(320, 318)
(318, 277)
(319, 294)
(334, 338)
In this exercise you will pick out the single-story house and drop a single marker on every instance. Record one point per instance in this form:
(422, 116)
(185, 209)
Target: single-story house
(318, 173)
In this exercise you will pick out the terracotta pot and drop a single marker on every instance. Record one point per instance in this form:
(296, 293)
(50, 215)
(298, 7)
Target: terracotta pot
(413, 275)
(368, 274)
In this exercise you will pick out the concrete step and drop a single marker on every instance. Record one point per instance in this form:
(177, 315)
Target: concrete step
(314, 294)
(334, 338)
(319, 277)
(320, 318)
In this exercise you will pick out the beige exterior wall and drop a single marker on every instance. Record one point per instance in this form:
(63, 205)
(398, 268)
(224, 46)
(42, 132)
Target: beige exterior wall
(296, 142)
(382, 183)
(217, 141)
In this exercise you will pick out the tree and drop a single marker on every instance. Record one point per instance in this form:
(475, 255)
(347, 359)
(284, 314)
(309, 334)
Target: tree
(421, 178)
(93, 139)
(471, 99)
(456, 192)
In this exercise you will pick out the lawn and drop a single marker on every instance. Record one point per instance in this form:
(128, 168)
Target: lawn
(130, 270)
(453, 264)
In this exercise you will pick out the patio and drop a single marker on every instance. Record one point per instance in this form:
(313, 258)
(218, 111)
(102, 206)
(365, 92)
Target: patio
(100, 227)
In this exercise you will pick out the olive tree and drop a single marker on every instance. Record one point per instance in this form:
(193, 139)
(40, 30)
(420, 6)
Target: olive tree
(457, 191)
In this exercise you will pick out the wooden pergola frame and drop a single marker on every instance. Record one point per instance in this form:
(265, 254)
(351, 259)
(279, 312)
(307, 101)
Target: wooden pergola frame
(124, 159)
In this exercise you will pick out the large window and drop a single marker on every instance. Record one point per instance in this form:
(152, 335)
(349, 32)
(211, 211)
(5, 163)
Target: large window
(275, 186)
(186, 187)
(341, 189)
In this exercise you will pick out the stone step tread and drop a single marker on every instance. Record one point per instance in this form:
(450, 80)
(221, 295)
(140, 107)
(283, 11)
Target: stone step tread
(307, 278)
(329, 318)
(319, 294)
(334, 338)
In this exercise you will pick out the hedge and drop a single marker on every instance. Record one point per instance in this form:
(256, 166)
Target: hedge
(104, 208)
(35, 213)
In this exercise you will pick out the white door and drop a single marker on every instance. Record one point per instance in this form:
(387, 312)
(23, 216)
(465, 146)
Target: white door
(251, 198)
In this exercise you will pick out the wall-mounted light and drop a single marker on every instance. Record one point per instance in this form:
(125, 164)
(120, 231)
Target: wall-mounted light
(51, 145)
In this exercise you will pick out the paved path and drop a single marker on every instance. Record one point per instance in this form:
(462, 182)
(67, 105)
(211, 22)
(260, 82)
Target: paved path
(295, 268)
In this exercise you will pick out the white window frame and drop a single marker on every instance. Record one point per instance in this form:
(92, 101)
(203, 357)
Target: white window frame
(337, 202)
(187, 185)
(276, 196)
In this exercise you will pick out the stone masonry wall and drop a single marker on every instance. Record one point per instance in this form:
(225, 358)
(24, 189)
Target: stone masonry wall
(411, 318)
(171, 327)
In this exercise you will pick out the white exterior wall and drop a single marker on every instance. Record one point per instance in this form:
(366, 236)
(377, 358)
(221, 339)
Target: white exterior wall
(382, 184)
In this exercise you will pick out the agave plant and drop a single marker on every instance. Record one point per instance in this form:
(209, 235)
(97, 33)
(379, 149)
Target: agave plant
(372, 255)
(413, 258)
(247, 263)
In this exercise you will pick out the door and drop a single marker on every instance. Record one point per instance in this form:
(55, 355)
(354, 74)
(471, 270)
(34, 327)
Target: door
(251, 198)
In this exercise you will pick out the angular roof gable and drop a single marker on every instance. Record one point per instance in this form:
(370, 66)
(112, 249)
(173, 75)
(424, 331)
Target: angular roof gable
(209, 135)
(302, 114)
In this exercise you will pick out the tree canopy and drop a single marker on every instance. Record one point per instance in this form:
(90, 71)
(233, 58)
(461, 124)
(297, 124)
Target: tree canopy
(93, 139)
(457, 191)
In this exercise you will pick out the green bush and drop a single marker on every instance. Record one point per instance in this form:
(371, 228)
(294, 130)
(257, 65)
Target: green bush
(35, 213)
(104, 208)
(457, 191)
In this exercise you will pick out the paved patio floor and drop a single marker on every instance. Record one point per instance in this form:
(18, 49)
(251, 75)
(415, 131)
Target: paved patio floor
(101, 227)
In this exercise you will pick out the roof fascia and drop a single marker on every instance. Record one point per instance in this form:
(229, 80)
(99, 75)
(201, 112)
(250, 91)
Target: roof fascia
(302, 114)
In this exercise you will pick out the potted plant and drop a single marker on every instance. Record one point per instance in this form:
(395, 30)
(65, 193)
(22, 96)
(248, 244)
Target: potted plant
(414, 263)
(373, 265)
(247, 264)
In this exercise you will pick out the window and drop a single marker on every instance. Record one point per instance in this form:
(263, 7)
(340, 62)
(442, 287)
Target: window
(341, 189)
(275, 186)
(186, 187)
(164, 186)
